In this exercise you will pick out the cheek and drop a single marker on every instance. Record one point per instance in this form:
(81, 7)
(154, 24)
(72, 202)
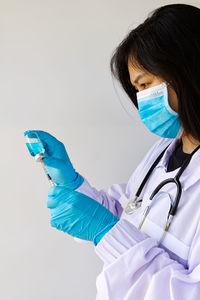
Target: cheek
(172, 99)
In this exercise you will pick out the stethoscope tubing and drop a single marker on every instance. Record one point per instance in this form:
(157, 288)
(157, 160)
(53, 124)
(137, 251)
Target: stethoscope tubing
(173, 208)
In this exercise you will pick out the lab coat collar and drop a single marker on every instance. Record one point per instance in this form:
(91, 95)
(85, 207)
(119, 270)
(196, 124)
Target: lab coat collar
(190, 175)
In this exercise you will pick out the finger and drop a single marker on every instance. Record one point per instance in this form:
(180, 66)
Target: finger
(46, 139)
(43, 135)
(51, 202)
(49, 142)
(53, 162)
(57, 195)
(54, 191)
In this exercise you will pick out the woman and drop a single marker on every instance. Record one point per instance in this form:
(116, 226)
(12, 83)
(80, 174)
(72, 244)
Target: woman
(157, 257)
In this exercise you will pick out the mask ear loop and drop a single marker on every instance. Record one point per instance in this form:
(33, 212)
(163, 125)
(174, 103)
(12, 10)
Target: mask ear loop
(179, 134)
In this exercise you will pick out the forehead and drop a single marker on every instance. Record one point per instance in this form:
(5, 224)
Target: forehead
(134, 67)
(136, 71)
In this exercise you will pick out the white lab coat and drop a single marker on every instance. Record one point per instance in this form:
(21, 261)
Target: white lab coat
(180, 247)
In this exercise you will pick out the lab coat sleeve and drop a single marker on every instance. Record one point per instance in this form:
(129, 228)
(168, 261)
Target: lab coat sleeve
(108, 198)
(135, 267)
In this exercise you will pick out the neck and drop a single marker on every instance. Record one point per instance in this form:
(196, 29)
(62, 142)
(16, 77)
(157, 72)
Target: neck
(189, 143)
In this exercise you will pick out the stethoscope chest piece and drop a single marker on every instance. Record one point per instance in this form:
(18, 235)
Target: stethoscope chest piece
(132, 204)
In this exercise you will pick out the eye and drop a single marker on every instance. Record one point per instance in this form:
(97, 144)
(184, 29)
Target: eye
(144, 85)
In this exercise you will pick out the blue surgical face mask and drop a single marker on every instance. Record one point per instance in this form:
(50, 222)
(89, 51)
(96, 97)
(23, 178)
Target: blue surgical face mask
(155, 112)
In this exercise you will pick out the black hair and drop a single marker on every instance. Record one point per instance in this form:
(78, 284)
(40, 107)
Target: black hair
(166, 44)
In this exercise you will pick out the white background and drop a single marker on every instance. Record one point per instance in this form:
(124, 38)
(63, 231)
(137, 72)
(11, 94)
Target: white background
(55, 76)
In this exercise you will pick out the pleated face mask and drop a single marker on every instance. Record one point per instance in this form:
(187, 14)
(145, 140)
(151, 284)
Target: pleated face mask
(155, 112)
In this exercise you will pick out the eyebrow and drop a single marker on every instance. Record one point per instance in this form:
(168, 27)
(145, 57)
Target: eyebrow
(139, 76)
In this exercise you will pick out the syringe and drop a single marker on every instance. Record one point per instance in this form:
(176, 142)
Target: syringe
(37, 150)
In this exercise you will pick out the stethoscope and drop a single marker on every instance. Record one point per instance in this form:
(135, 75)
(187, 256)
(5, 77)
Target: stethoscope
(135, 203)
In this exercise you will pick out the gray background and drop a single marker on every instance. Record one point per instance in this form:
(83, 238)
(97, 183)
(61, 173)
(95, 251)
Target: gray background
(54, 76)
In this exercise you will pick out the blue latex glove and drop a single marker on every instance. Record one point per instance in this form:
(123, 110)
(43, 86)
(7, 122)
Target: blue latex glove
(79, 215)
(57, 161)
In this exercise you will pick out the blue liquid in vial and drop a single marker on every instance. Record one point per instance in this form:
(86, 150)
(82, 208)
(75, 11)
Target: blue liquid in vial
(35, 148)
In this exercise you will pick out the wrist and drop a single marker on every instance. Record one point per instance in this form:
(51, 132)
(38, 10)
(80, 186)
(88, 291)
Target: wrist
(103, 232)
(76, 183)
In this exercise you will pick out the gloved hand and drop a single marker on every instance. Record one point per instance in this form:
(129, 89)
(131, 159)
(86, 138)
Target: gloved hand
(79, 215)
(57, 161)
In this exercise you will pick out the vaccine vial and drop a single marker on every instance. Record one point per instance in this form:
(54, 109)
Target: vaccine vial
(37, 150)
(35, 146)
